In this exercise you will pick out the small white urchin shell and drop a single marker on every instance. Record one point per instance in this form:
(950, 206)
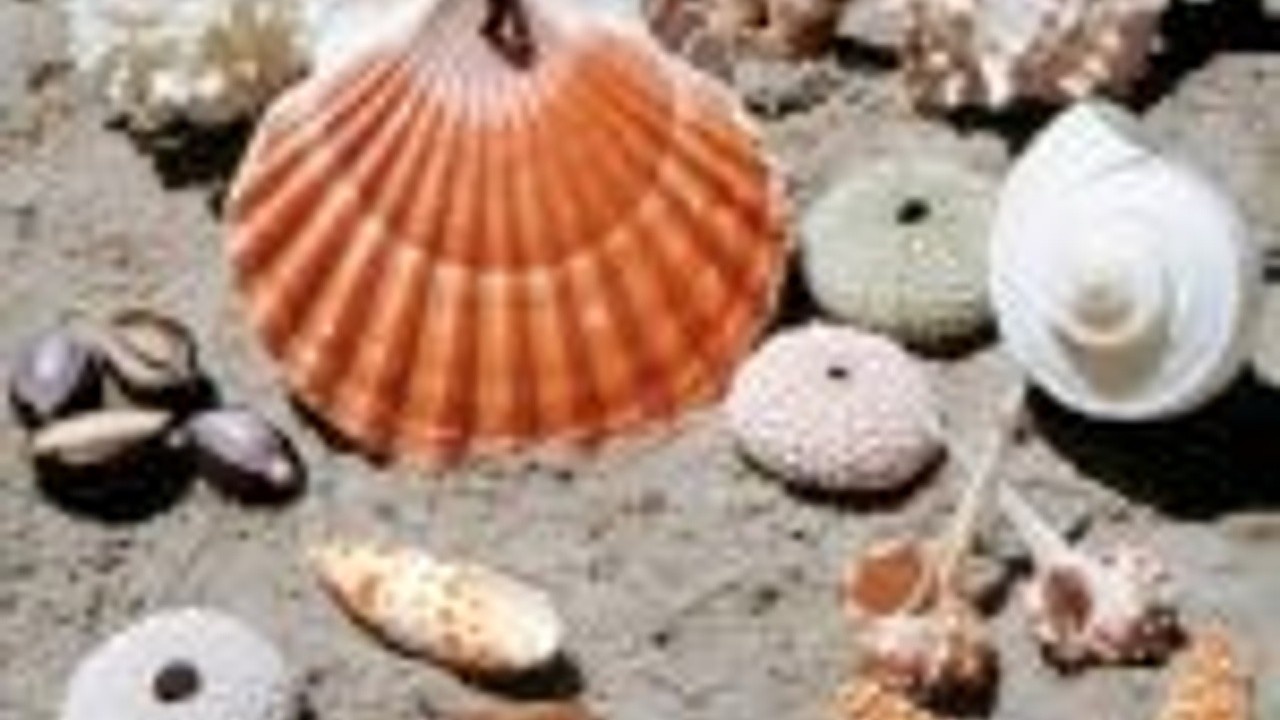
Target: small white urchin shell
(186, 664)
(835, 409)
(900, 247)
(204, 61)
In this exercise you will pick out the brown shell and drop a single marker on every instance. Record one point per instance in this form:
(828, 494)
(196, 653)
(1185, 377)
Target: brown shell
(1209, 682)
(861, 699)
(449, 255)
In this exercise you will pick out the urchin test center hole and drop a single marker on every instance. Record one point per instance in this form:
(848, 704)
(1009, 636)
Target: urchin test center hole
(838, 372)
(176, 682)
(913, 211)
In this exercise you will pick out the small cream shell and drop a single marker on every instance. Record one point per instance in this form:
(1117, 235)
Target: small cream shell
(99, 436)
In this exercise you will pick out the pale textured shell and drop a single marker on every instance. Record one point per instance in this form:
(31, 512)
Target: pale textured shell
(242, 675)
(1088, 182)
(991, 52)
(922, 277)
(836, 409)
(1210, 682)
(464, 616)
(1131, 615)
(451, 256)
(205, 61)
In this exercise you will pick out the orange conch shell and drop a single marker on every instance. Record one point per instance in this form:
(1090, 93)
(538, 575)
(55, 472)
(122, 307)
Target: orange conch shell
(452, 252)
(1210, 683)
(861, 699)
(464, 616)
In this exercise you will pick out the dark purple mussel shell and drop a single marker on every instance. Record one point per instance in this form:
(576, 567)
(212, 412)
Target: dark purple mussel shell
(54, 376)
(243, 455)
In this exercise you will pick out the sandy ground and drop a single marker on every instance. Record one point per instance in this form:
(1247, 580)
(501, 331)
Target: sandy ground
(695, 589)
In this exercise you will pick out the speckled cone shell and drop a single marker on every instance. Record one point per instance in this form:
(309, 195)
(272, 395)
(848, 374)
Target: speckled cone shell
(464, 616)
(1209, 683)
(450, 255)
(861, 699)
(835, 409)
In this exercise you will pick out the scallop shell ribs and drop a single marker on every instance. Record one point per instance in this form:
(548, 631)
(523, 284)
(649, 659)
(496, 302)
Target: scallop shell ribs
(454, 248)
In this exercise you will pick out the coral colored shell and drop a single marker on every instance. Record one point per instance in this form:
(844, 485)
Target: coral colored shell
(1209, 683)
(450, 253)
(1124, 283)
(463, 616)
(990, 53)
(900, 247)
(861, 699)
(835, 409)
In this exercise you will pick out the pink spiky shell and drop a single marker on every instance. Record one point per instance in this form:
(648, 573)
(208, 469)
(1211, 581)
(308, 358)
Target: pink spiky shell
(449, 254)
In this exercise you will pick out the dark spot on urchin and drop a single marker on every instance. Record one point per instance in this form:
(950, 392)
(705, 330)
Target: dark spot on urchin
(838, 372)
(913, 211)
(177, 681)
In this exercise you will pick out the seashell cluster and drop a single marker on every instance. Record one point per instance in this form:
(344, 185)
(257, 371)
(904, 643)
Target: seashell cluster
(573, 290)
(834, 409)
(1125, 283)
(152, 414)
(202, 61)
(1210, 681)
(466, 617)
(900, 247)
(1116, 607)
(184, 664)
(991, 53)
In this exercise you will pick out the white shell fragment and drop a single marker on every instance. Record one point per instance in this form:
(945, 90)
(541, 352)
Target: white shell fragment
(99, 436)
(989, 53)
(1115, 607)
(204, 61)
(1125, 283)
(834, 409)
(900, 247)
(187, 664)
(464, 616)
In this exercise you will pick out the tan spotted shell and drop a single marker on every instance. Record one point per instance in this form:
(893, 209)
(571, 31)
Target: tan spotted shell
(861, 699)
(1210, 682)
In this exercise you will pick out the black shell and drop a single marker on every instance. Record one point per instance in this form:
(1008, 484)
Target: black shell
(152, 356)
(54, 376)
(242, 454)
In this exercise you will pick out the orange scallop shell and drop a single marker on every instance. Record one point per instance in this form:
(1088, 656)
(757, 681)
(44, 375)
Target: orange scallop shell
(451, 255)
(1210, 682)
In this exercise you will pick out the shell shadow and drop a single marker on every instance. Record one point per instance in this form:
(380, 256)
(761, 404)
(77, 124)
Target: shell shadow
(333, 438)
(185, 155)
(1220, 460)
(863, 502)
(1195, 32)
(559, 679)
(131, 489)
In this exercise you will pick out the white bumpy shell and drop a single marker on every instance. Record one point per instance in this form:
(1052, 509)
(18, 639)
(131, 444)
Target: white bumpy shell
(233, 672)
(835, 409)
(204, 61)
(1124, 283)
